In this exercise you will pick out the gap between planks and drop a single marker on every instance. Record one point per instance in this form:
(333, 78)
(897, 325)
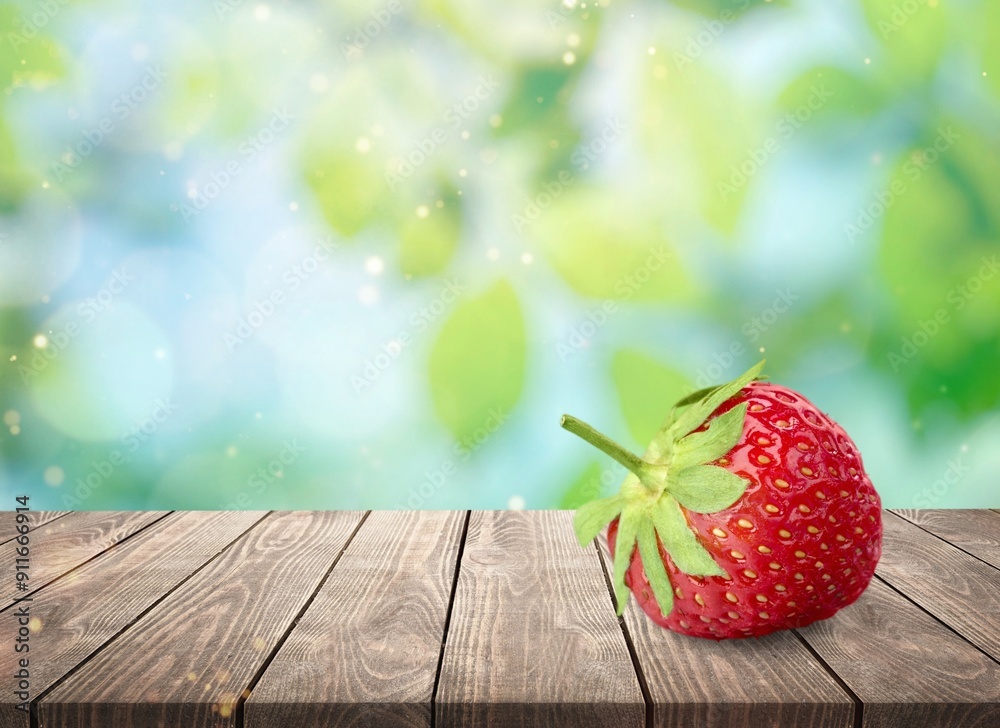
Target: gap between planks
(636, 665)
(78, 666)
(942, 538)
(859, 704)
(938, 620)
(447, 618)
(240, 705)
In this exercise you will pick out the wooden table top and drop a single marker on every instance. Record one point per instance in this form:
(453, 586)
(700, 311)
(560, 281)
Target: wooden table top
(452, 618)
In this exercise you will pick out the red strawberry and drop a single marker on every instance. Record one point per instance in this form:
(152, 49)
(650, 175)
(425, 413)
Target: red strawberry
(750, 513)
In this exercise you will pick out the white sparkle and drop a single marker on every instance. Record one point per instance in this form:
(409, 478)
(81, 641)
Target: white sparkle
(318, 83)
(40, 341)
(569, 58)
(493, 254)
(363, 145)
(374, 265)
(423, 211)
(53, 475)
(516, 503)
(527, 258)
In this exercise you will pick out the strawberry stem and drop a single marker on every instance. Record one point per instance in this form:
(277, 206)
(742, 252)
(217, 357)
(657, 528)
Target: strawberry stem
(646, 473)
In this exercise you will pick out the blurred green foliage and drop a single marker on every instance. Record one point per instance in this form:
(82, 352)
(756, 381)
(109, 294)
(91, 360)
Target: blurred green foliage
(527, 207)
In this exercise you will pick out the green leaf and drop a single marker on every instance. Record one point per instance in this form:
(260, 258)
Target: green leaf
(990, 27)
(427, 244)
(830, 90)
(477, 363)
(606, 245)
(695, 396)
(591, 518)
(721, 436)
(652, 565)
(684, 120)
(628, 529)
(913, 37)
(706, 488)
(718, 9)
(680, 541)
(692, 418)
(349, 187)
(645, 387)
(938, 234)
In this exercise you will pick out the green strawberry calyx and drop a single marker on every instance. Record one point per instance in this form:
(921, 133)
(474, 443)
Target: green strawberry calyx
(674, 472)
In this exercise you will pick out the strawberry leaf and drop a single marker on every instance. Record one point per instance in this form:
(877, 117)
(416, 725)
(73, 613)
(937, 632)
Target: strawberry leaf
(591, 517)
(628, 528)
(703, 447)
(706, 488)
(698, 412)
(681, 542)
(652, 565)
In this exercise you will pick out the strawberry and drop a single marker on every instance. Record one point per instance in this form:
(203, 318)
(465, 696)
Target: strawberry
(750, 513)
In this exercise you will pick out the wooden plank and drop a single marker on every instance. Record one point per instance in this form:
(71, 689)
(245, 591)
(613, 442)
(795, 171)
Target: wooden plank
(67, 542)
(367, 650)
(768, 681)
(975, 531)
(955, 587)
(907, 668)
(533, 640)
(188, 660)
(8, 522)
(80, 613)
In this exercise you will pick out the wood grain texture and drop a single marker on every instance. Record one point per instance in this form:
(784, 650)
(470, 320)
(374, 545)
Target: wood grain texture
(533, 640)
(8, 522)
(975, 531)
(366, 652)
(955, 587)
(81, 612)
(188, 661)
(907, 668)
(764, 682)
(67, 542)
